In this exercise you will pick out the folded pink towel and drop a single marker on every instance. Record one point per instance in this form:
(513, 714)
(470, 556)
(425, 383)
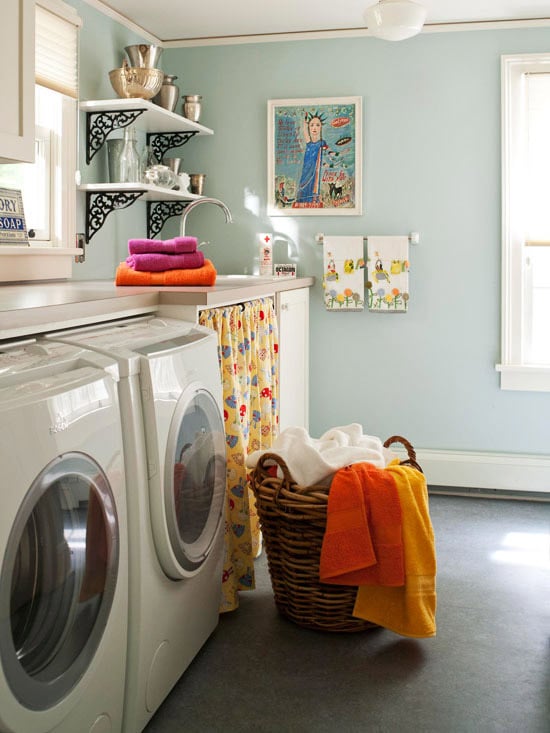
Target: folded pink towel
(159, 261)
(177, 245)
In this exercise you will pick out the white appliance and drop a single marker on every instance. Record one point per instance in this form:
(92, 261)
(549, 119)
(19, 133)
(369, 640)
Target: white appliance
(174, 444)
(63, 542)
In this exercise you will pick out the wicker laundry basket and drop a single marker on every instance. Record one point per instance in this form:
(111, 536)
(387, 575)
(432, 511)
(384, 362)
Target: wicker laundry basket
(293, 520)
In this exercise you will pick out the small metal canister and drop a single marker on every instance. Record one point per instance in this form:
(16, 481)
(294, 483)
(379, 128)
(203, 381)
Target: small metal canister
(192, 106)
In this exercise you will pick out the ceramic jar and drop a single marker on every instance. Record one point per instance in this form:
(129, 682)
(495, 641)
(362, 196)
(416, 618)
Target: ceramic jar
(192, 106)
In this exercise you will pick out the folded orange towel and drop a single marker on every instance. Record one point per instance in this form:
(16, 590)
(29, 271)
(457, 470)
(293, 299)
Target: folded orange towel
(205, 275)
(362, 543)
(410, 609)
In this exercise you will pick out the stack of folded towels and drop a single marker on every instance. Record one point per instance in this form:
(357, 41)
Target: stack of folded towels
(165, 262)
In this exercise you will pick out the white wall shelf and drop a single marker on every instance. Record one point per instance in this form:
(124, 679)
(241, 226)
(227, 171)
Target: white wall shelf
(153, 118)
(148, 192)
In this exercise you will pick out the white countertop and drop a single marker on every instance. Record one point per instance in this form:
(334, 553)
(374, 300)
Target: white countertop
(37, 307)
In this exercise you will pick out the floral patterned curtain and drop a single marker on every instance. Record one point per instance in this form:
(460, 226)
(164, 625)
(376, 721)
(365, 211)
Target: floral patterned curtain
(248, 353)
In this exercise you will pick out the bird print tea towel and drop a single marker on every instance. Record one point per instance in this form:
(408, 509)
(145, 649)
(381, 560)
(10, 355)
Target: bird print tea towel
(343, 279)
(388, 274)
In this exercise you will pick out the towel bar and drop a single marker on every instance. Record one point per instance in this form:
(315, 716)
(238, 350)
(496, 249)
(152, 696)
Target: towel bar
(414, 238)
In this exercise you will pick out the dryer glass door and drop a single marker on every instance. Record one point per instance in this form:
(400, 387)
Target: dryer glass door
(195, 479)
(58, 580)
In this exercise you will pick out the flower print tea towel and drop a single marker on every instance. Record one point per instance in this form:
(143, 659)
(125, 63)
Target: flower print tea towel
(388, 274)
(343, 278)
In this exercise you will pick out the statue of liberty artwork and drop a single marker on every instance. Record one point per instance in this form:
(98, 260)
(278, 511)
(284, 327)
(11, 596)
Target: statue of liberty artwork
(315, 156)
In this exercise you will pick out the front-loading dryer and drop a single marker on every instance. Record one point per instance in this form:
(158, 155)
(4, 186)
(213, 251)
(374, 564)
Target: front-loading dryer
(63, 542)
(174, 443)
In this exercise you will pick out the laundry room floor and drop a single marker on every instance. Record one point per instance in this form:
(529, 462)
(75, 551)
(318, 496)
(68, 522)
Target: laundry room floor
(487, 670)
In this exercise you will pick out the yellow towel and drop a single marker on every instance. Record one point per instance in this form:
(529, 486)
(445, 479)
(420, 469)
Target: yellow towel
(408, 610)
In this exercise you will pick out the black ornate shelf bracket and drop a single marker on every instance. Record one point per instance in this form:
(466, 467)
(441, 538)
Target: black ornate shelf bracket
(99, 125)
(161, 142)
(100, 205)
(158, 212)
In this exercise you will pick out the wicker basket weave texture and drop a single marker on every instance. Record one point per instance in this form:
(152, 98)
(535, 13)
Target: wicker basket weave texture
(293, 521)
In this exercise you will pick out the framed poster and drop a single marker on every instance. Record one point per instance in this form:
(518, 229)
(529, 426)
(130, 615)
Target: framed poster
(314, 156)
(13, 229)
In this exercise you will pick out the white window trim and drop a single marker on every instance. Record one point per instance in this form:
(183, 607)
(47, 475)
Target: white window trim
(515, 375)
(22, 264)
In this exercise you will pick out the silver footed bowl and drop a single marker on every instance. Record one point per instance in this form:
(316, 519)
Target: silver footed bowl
(131, 82)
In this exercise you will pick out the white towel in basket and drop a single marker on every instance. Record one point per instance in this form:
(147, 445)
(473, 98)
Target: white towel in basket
(310, 460)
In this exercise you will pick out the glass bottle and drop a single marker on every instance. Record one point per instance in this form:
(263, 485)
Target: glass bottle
(130, 165)
(148, 163)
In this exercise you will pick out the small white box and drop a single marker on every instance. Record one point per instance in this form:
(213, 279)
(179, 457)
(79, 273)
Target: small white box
(285, 270)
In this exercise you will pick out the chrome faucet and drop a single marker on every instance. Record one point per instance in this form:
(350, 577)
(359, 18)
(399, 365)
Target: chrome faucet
(188, 209)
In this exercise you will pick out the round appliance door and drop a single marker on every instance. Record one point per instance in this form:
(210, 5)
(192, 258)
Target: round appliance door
(57, 580)
(194, 483)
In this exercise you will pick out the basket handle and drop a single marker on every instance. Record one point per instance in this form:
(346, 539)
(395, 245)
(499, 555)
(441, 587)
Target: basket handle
(411, 453)
(273, 458)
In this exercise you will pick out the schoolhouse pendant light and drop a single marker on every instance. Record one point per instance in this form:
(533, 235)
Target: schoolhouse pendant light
(395, 20)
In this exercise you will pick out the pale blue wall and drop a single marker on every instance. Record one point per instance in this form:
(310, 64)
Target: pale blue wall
(102, 43)
(431, 164)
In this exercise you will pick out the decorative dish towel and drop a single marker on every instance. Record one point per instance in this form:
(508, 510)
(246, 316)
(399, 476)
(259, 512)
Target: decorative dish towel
(388, 274)
(343, 278)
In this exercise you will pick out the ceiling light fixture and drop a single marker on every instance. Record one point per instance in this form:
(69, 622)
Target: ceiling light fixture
(395, 20)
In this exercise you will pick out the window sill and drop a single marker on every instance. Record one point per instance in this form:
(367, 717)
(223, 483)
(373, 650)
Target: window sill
(524, 378)
(21, 264)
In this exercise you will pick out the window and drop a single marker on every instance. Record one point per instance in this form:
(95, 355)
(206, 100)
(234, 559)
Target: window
(525, 222)
(48, 184)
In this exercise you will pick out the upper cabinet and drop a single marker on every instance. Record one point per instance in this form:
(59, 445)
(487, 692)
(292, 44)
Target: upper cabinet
(17, 82)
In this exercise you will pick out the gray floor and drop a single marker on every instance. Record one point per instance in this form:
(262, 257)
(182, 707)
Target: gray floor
(488, 668)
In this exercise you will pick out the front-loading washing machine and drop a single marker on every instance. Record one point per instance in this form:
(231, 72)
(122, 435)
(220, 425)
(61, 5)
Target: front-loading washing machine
(63, 541)
(174, 443)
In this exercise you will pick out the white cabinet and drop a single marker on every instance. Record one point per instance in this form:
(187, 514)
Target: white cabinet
(293, 310)
(17, 82)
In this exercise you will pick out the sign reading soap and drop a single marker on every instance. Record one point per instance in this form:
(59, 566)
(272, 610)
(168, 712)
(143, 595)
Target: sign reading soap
(13, 229)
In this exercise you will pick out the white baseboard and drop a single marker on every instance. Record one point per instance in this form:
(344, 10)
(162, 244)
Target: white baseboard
(500, 471)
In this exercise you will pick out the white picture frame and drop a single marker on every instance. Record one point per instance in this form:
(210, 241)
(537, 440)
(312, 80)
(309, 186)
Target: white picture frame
(314, 156)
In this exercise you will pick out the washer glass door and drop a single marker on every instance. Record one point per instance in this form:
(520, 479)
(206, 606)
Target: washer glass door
(195, 479)
(58, 580)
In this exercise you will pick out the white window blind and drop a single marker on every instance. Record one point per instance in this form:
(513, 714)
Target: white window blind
(525, 356)
(56, 44)
(538, 157)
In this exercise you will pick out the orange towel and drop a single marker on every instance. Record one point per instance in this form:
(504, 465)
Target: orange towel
(347, 546)
(410, 609)
(205, 275)
(362, 543)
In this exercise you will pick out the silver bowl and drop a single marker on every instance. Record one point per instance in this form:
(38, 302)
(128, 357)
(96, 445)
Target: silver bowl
(131, 82)
(143, 55)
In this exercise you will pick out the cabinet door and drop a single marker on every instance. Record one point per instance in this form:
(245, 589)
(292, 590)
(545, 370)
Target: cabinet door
(17, 82)
(294, 358)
